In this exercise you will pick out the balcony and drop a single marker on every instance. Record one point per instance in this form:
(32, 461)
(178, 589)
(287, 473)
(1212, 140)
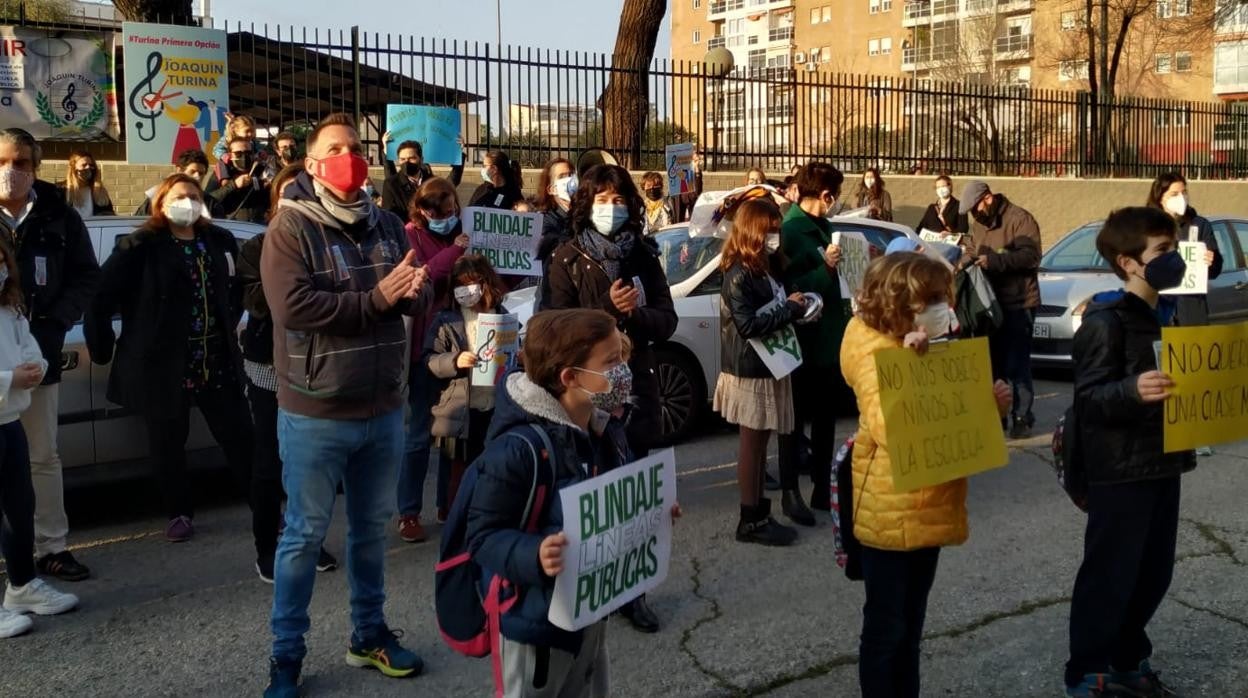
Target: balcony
(923, 57)
(1010, 6)
(716, 42)
(780, 34)
(725, 6)
(916, 13)
(1017, 47)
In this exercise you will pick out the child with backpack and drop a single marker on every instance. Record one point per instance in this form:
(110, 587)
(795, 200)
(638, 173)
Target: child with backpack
(904, 301)
(1133, 485)
(462, 412)
(550, 430)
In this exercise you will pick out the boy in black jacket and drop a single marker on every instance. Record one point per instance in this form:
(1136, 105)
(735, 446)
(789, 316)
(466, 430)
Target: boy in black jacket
(1133, 493)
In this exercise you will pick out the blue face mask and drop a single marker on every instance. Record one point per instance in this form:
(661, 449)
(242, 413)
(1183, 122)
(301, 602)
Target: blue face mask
(607, 218)
(443, 226)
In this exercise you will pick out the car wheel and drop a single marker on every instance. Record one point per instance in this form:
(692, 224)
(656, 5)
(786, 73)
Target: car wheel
(682, 395)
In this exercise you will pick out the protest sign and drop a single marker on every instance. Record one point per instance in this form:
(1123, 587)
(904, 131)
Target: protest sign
(177, 90)
(940, 415)
(679, 159)
(58, 85)
(1196, 280)
(1209, 402)
(496, 345)
(945, 238)
(779, 350)
(619, 530)
(436, 129)
(855, 256)
(507, 238)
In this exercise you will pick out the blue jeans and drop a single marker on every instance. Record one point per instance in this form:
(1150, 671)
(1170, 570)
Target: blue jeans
(317, 454)
(897, 585)
(411, 492)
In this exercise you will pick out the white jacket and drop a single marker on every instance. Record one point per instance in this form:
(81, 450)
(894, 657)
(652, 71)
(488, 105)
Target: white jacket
(17, 347)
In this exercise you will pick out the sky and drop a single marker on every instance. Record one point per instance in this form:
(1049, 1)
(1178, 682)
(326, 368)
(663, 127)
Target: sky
(576, 25)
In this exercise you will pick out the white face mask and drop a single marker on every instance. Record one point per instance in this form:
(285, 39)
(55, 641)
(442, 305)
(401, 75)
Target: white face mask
(868, 182)
(15, 183)
(561, 188)
(1176, 205)
(485, 175)
(773, 242)
(468, 296)
(607, 218)
(942, 193)
(936, 320)
(184, 212)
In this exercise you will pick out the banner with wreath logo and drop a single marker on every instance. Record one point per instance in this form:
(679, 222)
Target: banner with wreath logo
(58, 85)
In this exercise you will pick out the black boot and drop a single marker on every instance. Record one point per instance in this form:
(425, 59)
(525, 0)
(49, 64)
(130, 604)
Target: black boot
(794, 508)
(757, 526)
(639, 613)
(770, 483)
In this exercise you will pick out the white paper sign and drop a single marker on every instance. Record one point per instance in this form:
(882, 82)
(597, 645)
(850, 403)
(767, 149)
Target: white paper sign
(497, 345)
(619, 530)
(946, 238)
(855, 256)
(507, 239)
(779, 350)
(1196, 280)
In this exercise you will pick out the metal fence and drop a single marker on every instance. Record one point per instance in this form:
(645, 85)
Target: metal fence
(539, 103)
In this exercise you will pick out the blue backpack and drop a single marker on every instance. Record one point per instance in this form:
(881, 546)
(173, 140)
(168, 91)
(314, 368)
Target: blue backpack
(469, 606)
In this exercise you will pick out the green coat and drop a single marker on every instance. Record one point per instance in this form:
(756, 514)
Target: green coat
(803, 238)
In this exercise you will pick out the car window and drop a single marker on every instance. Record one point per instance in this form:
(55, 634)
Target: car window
(683, 256)
(1232, 255)
(1075, 252)
(711, 285)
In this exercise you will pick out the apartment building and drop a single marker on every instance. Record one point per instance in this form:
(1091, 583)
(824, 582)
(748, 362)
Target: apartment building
(559, 125)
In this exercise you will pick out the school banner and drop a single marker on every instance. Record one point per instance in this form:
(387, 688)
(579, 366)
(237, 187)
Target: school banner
(1209, 402)
(779, 350)
(855, 256)
(496, 345)
(619, 530)
(437, 129)
(1196, 280)
(58, 86)
(940, 415)
(507, 238)
(177, 90)
(680, 176)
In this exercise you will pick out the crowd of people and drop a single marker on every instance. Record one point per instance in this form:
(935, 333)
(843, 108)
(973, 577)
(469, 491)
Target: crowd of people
(352, 373)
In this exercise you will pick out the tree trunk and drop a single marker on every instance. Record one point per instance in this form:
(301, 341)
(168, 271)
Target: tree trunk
(1094, 83)
(625, 103)
(164, 11)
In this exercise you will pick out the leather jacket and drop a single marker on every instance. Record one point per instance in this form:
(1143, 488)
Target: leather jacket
(742, 295)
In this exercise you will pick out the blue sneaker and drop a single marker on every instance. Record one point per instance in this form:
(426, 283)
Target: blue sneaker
(1143, 683)
(385, 654)
(1092, 686)
(283, 679)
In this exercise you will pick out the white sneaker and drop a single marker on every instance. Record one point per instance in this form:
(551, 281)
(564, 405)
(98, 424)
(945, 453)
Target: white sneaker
(13, 624)
(38, 597)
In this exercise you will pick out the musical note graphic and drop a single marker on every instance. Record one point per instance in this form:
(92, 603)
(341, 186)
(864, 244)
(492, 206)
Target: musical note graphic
(68, 104)
(146, 102)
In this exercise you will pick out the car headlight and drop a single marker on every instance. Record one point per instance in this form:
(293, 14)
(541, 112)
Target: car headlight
(1078, 311)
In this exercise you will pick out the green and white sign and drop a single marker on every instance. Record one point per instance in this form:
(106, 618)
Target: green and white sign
(619, 530)
(58, 85)
(507, 238)
(779, 350)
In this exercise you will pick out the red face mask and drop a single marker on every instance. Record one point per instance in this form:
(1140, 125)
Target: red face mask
(345, 172)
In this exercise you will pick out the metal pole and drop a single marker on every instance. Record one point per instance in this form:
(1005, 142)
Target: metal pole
(355, 71)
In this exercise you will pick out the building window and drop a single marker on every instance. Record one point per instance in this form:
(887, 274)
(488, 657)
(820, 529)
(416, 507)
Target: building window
(873, 6)
(815, 15)
(873, 47)
(825, 54)
(886, 5)
(1230, 65)
(697, 4)
(1231, 15)
(758, 58)
(1161, 63)
(886, 45)
(1163, 9)
(1183, 62)
(697, 36)
(814, 55)
(1182, 8)
(1072, 21)
(1072, 70)
(827, 13)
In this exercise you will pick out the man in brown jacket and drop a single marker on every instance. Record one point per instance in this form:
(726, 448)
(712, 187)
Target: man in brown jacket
(1006, 245)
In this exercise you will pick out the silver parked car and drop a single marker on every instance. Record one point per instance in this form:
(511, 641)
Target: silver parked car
(93, 431)
(1072, 272)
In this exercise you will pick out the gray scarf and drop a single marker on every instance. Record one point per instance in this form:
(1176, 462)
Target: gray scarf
(607, 251)
(347, 214)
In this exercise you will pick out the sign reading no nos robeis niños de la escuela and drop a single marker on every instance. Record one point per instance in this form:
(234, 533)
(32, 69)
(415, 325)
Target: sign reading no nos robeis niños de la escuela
(507, 239)
(619, 530)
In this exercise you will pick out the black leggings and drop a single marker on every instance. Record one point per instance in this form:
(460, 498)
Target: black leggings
(17, 505)
(816, 396)
(266, 472)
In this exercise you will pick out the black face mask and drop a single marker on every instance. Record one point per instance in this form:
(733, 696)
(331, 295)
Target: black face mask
(86, 176)
(286, 154)
(985, 218)
(242, 163)
(654, 194)
(1165, 272)
(411, 169)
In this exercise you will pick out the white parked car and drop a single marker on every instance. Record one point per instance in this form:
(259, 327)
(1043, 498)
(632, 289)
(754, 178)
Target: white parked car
(688, 363)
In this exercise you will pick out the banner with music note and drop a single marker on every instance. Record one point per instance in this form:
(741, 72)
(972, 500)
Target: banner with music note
(177, 90)
(58, 85)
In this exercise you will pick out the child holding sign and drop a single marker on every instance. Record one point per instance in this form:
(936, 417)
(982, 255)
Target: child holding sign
(754, 390)
(1133, 485)
(462, 412)
(903, 302)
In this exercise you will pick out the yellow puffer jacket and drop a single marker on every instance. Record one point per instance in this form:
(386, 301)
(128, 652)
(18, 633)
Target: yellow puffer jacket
(883, 518)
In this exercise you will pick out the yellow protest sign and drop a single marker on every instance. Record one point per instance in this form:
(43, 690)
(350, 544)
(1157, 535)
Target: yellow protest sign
(940, 415)
(1209, 402)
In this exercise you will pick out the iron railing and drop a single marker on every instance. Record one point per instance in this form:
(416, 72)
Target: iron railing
(289, 77)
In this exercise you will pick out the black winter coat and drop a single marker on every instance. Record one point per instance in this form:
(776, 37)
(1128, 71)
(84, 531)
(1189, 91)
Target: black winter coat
(742, 296)
(1121, 436)
(59, 274)
(397, 190)
(250, 203)
(958, 223)
(575, 280)
(1194, 310)
(257, 339)
(489, 196)
(147, 281)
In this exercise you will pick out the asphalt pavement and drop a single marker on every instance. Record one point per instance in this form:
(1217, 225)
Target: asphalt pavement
(160, 619)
